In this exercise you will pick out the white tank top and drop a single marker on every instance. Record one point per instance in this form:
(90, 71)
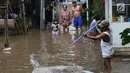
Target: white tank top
(107, 47)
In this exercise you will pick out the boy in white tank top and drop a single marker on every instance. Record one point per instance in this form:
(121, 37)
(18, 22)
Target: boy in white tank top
(106, 44)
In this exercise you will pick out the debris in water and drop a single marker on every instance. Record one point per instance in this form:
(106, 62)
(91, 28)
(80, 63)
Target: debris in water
(126, 59)
(7, 52)
(26, 67)
(33, 61)
(71, 54)
(18, 69)
(87, 72)
(61, 69)
(6, 49)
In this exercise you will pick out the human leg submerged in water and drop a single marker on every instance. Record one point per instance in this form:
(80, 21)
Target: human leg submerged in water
(78, 22)
(65, 27)
(107, 64)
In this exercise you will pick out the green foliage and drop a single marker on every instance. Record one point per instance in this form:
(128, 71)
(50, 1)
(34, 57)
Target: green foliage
(125, 37)
(96, 9)
(47, 2)
(28, 9)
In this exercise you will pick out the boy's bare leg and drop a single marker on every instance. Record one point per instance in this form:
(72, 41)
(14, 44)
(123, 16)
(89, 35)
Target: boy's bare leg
(107, 64)
(68, 28)
(76, 29)
(64, 28)
(81, 28)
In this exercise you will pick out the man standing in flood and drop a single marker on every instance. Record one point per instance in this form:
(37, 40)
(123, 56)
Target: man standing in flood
(76, 12)
(65, 18)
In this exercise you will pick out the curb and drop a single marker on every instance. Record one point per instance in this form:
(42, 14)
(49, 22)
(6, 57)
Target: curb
(122, 52)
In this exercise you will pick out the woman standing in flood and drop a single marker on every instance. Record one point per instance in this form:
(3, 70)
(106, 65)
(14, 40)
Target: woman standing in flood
(65, 18)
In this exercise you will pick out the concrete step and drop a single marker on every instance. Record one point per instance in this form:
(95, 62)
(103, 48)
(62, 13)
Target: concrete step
(122, 51)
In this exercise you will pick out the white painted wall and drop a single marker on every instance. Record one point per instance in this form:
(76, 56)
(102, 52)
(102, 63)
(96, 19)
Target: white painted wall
(116, 27)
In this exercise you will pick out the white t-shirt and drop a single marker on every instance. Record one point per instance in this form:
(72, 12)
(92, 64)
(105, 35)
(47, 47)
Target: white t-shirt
(107, 47)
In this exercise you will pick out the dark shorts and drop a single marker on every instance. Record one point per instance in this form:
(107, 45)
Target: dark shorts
(78, 21)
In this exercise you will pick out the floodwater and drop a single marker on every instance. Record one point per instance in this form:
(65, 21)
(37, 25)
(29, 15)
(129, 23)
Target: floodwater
(41, 49)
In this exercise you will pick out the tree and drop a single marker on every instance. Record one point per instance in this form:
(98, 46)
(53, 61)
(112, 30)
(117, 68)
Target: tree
(32, 11)
(96, 9)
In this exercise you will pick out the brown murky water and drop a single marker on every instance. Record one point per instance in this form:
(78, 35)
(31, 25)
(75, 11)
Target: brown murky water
(40, 49)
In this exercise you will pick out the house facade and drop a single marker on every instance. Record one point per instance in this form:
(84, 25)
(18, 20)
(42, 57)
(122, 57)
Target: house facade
(117, 12)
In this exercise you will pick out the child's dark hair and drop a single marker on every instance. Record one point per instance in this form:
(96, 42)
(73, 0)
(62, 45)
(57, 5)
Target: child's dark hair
(64, 6)
(102, 17)
(74, 2)
(55, 21)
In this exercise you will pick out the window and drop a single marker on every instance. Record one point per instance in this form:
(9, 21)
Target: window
(121, 10)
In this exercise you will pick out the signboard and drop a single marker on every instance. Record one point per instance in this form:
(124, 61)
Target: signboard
(121, 8)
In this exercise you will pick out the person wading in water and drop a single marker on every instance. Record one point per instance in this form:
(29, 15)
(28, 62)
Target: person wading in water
(76, 12)
(65, 18)
(106, 44)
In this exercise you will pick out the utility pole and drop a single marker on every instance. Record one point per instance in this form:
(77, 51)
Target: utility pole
(42, 14)
(87, 8)
(6, 28)
(23, 9)
(24, 17)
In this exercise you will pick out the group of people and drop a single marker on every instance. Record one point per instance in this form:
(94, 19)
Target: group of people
(99, 25)
(67, 17)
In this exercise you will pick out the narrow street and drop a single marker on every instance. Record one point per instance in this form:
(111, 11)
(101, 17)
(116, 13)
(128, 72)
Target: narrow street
(40, 49)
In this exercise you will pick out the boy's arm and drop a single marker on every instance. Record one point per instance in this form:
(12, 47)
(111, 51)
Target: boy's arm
(81, 9)
(97, 37)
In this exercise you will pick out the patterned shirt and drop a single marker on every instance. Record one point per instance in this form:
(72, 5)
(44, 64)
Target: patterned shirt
(65, 17)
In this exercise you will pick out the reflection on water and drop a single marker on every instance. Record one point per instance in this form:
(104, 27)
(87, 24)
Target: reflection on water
(40, 49)
(33, 61)
(81, 53)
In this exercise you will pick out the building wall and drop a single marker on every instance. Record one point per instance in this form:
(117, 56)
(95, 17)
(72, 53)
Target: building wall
(117, 27)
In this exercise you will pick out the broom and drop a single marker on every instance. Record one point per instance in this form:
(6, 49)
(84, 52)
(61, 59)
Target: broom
(77, 39)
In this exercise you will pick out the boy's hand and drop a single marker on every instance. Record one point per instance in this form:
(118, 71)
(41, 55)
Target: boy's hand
(88, 36)
(85, 35)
